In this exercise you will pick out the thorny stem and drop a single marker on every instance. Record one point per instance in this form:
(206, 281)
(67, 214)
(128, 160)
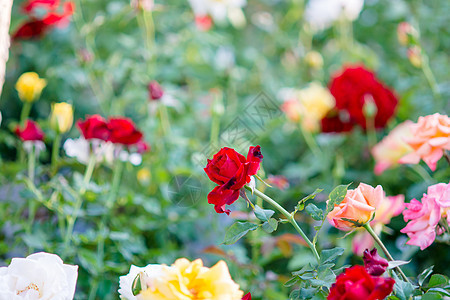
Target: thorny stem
(385, 250)
(289, 217)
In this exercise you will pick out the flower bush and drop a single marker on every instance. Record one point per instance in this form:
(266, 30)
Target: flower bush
(225, 150)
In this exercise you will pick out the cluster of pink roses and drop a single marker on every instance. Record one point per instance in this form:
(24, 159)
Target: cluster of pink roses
(410, 142)
(427, 217)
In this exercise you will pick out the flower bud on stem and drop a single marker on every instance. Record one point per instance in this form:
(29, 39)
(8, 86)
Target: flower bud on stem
(385, 250)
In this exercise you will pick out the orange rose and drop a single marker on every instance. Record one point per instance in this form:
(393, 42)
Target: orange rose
(358, 206)
(430, 137)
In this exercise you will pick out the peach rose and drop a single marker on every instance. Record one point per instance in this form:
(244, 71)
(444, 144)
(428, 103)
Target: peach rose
(386, 209)
(392, 147)
(358, 206)
(430, 137)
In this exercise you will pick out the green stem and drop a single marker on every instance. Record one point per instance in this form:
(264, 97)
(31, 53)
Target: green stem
(423, 173)
(385, 250)
(371, 133)
(429, 76)
(311, 142)
(26, 108)
(289, 217)
(79, 201)
(215, 129)
(31, 203)
(164, 118)
(55, 153)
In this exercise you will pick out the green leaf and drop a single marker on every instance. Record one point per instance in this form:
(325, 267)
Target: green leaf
(315, 212)
(437, 280)
(336, 196)
(238, 230)
(291, 282)
(424, 275)
(263, 214)
(403, 290)
(329, 255)
(431, 296)
(301, 203)
(270, 226)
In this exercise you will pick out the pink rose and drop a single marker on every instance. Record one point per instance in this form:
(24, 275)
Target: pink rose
(392, 147)
(430, 137)
(424, 216)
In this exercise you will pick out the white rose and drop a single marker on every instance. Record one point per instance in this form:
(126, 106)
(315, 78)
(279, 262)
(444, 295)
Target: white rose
(321, 14)
(148, 274)
(41, 276)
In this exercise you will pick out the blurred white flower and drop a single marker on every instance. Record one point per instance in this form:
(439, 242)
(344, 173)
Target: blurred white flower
(148, 273)
(224, 58)
(134, 158)
(80, 149)
(38, 146)
(219, 10)
(321, 14)
(39, 276)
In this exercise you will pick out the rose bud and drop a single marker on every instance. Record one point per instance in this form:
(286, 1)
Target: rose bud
(406, 34)
(374, 263)
(247, 297)
(61, 118)
(155, 90)
(94, 127)
(31, 132)
(30, 86)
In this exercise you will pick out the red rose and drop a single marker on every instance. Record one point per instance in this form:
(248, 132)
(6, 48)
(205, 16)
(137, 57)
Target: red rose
(374, 263)
(203, 22)
(31, 132)
(94, 127)
(155, 90)
(123, 131)
(356, 283)
(247, 297)
(353, 88)
(231, 171)
(36, 27)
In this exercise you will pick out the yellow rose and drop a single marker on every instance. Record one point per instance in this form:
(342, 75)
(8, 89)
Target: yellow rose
(311, 106)
(29, 86)
(314, 59)
(61, 118)
(186, 280)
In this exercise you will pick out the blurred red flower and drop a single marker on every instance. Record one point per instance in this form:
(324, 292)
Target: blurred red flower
(231, 171)
(36, 26)
(123, 131)
(247, 297)
(155, 90)
(31, 132)
(94, 127)
(203, 23)
(356, 89)
(356, 283)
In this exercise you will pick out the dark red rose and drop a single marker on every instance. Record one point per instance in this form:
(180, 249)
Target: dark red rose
(94, 127)
(231, 171)
(353, 88)
(374, 263)
(356, 283)
(31, 132)
(155, 90)
(247, 297)
(123, 131)
(30, 30)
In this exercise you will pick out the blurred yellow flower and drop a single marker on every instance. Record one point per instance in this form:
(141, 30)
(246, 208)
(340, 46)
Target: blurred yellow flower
(143, 176)
(61, 118)
(186, 280)
(314, 59)
(309, 106)
(29, 86)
